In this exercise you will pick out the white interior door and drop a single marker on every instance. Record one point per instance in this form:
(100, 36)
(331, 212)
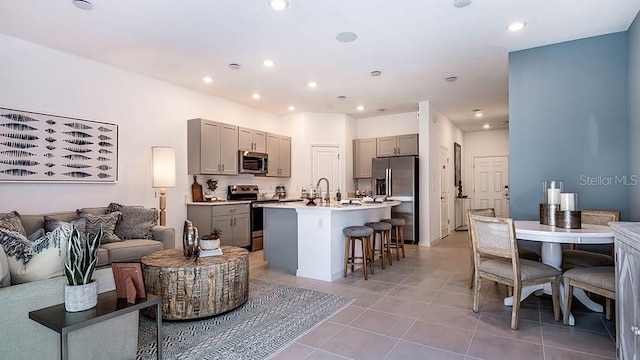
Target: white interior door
(444, 192)
(491, 184)
(326, 163)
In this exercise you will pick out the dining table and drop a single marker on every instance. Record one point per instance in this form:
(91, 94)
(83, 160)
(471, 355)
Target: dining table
(551, 239)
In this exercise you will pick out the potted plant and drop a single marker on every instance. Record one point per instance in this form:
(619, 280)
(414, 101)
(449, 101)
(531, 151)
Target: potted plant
(212, 185)
(211, 241)
(81, 292)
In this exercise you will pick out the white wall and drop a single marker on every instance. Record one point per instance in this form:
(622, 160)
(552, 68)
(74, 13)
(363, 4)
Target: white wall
(149, 112)
(388, 125)
(479, 144)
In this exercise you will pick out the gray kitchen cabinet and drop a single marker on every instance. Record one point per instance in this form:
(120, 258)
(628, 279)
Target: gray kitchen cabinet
(627, 246)
(401, 145)
(363, 151)
(212, 147)
(232, 219)
(252, 140)
(279, 150)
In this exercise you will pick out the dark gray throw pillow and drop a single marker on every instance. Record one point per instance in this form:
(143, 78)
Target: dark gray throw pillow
(108, 224)
(51, 223)
(12, 222)
(135, 222)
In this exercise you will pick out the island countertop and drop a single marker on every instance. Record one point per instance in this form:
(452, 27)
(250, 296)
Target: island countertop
(333, 206)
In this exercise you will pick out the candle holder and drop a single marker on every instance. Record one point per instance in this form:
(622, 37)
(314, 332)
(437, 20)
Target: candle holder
(548, 213)
(569, 219)
(551, 190)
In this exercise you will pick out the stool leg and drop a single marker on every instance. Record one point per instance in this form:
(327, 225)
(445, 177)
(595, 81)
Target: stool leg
(372, 254)
(397, 243)
(401, 228)
(364, 257)
(346, 255)
(381, 233)
(387, 239)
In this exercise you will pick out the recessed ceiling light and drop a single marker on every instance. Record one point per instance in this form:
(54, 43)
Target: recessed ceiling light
(268, 63)
(342, 97)
(83, 4)
(346, 37)
(312, 84)
(360, 108)
(461, 3)
(255, 96)
(291, 108)
(376, 73)
(451, 78)
(486, 126)
(517, 26)
(479, 114)
(234, 66)
(207, 79)
(278, 4)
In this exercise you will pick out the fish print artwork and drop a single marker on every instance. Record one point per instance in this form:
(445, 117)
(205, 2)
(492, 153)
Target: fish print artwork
(49, 148)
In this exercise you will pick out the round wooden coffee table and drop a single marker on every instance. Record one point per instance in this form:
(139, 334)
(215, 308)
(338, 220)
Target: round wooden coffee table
(200, 287)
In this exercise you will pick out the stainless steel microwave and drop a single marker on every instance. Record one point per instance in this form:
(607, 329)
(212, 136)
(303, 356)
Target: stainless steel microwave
(253, 162)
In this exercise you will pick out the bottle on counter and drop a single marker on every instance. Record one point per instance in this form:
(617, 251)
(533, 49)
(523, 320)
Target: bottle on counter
(338, 195)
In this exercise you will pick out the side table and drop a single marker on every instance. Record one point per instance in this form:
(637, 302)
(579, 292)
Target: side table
(109, 306)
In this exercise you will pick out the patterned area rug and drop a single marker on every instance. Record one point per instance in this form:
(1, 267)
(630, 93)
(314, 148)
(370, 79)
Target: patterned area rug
(274, 316)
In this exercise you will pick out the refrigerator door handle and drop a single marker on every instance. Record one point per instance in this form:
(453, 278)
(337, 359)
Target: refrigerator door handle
(389, 185)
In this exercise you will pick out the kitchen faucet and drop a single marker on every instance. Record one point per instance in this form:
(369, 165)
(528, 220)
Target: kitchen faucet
(328, 198)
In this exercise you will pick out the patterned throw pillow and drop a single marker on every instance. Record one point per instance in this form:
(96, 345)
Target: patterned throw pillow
(108, 224)
(38, 260)
(135, 222)
(12, 222)
(51, 223)
(5, 274)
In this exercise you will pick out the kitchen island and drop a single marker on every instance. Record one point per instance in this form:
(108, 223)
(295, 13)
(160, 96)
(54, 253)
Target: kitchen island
(308, 240)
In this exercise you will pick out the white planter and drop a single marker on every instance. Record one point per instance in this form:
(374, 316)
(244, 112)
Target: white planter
(80, 297)
(209, 244)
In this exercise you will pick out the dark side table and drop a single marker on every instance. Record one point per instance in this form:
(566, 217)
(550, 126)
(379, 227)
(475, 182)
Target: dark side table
(109, 306)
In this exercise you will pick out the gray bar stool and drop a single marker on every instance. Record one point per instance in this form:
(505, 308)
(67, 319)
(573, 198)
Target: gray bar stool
(397, 235)
(384, 230)
(353, 234)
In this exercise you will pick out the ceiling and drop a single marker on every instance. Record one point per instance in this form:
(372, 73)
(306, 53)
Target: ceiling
(416, 44)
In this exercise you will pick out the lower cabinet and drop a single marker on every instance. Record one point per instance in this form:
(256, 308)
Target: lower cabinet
(232, 219)
(627, 289)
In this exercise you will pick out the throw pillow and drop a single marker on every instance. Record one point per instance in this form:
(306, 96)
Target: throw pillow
(36, 235)
(135, 222)
(108, 224)
(5, 274)
(51, 223)
(42, 259)
(12, 222)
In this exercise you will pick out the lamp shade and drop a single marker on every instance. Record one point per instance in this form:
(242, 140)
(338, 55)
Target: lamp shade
(164, 166)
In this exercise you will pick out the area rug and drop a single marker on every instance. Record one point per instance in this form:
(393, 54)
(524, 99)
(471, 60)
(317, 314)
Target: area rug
(274, 316)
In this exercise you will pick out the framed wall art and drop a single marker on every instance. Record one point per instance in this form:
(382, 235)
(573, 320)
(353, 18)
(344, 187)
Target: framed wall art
(457, 162)
(49, 148)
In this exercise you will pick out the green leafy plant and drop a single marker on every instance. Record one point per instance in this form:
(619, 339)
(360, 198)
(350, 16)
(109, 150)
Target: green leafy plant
(212, 185)
(82, 258)
(215, 234)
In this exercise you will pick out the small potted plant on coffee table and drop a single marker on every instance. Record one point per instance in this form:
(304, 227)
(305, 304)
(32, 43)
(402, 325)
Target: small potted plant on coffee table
(81, 292)
(211, 241)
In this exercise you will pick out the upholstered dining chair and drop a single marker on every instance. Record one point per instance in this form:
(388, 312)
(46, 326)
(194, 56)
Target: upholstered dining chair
(599, 280)
(578, 257)
(496, 237)
(524, 253)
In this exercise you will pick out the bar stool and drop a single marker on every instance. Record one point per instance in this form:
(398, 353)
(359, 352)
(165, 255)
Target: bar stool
(384, 230)
(353, 234)
(398, 235)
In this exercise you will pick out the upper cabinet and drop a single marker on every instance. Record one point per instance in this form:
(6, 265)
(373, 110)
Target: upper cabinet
(252, 140)
(212, 147)
(401, 145)
(363, 151)
(279, 150)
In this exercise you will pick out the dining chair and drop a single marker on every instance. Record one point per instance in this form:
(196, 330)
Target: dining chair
(524, 253)
(496, 237)
(578, 256)
(599, 280)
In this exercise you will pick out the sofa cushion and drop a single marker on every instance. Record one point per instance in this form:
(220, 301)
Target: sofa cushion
(5, 274)
(38, 260)
(132, 250)
(12, 222)
(103, 257)
(135, 222)
(108, 224)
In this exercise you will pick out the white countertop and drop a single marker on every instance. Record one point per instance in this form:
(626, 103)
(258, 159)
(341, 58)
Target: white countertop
(334, 206)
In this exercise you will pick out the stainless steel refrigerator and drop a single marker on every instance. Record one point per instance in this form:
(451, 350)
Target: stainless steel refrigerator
(397, 179)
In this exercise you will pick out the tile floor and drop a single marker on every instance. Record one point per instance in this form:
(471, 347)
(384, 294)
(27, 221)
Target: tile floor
(420, 308)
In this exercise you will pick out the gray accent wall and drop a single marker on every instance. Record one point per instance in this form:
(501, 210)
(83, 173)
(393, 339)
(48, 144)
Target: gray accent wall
(568, 120)
(634, 116)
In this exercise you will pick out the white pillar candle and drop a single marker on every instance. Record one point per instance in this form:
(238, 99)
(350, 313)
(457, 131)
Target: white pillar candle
(567, 202)
(553, 196)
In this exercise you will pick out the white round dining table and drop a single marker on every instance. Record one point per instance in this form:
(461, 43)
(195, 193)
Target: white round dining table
(551, 239)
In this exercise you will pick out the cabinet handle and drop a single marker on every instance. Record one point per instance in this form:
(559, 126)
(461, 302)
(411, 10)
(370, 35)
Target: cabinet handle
(635, 330)
(230, 222)
(219, 167)
(222, 167)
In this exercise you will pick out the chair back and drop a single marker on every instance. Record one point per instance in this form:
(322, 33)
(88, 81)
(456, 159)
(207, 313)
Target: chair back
(493, 236)
(599, 217)
(482, 212)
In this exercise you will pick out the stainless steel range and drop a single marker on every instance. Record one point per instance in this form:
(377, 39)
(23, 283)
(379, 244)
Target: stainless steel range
(250, 192)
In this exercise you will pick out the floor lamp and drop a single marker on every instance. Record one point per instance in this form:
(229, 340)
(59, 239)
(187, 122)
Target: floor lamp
(163, 160)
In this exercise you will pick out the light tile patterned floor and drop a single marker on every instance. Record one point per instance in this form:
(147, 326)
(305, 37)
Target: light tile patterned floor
(420, 308)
